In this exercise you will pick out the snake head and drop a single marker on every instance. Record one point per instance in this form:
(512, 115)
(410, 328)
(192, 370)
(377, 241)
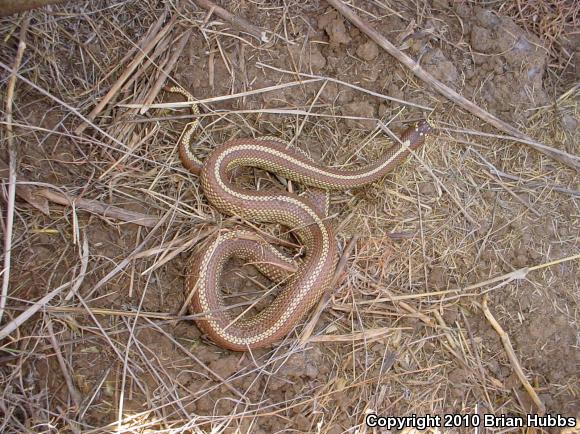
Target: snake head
(423, 128)
(415, 135)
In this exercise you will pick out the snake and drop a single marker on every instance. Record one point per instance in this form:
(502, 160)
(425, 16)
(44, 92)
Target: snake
(303, 282)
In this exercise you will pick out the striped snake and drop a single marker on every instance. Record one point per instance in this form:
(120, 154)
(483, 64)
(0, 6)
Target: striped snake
(303, 282)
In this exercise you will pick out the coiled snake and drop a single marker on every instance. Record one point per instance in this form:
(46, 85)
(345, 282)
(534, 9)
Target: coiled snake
(303, 288)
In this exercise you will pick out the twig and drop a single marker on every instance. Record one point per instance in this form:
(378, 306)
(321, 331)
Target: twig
(344, 83)
(435, 178)
(512, 193)
(239, 22)
(475, 351)
(563, 157)
(366, 335)
(198, 361)
(99, 208)
(30, 193)
(505, 339)
(62, 103)
(12, 167)
(141, 44)
(86, 404)
(503, 280)
(180, 104)
(162, 48)
(531, 184)
(74, 310)
(524, 139)
(121, 266)
(74, 392)
(495, 171)
(166, 71)
(123, 78)
(83, 271)
(555, 262)
(24, 316)
(405, 306)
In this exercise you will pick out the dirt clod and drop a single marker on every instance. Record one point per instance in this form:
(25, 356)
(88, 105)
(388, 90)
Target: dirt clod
(442, 69)
(368, 51)
(334, 26)
(359, 109)
(515, 60)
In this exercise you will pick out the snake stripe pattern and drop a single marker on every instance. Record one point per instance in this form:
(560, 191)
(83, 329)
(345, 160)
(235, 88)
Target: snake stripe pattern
(303, 282)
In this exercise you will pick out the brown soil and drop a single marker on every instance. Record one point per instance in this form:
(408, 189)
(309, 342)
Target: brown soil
(429, 236)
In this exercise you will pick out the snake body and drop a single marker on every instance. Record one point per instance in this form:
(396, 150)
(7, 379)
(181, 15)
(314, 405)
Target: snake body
(312, 276)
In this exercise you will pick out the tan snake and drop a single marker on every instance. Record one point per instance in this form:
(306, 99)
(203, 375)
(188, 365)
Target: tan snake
(307, 220)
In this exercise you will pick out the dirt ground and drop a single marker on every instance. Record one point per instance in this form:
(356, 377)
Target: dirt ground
(473, 218)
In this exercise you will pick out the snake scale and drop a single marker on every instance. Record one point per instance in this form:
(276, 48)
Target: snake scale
(301, 289)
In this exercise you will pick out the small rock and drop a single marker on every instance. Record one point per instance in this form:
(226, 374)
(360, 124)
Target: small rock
(317, 60)
(383, 108)
(337, 32)
(462, 9)
(301, 422)
(204, 406)
(225, 366)
(437, 64)
(372, 75)
(520, 261)
(427, 188)
(368, 51)
(437, 277)
(345, 95)
(441, 4)
(362, 109)
(487, 18)
(451, 315)
(395, 91)
(325, 19)
(333, 25)
(457, 377)
(311, 371)
(570, 123)
(481, 39)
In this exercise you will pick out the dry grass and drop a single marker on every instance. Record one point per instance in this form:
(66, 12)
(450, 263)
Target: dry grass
(95, 334)
(554, 22)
